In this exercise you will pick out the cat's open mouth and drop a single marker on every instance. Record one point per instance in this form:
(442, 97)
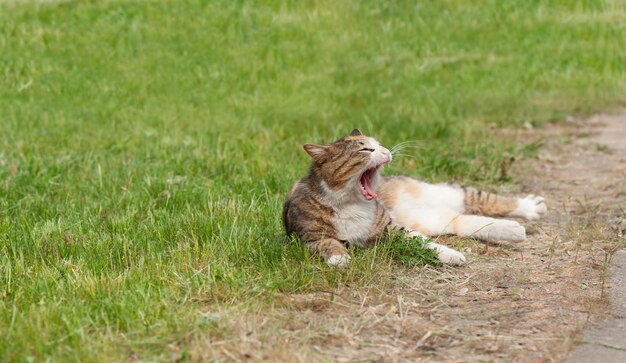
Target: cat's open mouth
(366, 183)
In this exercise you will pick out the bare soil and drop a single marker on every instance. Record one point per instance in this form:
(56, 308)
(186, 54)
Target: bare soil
(525, 302)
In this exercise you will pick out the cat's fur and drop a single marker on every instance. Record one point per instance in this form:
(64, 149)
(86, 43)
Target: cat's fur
(344, 201)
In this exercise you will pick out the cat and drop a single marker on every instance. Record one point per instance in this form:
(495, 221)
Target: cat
(344, 201)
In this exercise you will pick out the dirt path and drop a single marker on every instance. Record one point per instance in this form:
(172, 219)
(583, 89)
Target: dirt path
(605, 340)
(525, 302)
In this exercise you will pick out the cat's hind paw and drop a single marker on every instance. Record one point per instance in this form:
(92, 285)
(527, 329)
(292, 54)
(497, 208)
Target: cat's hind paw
(446, 254)
(502, 230)
(339, 261)
(532, 207)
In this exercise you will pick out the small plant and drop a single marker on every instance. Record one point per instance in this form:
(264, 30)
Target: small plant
(603, 149)
(411, 251)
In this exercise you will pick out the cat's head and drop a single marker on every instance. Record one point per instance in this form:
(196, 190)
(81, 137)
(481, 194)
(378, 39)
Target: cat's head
(350, 166)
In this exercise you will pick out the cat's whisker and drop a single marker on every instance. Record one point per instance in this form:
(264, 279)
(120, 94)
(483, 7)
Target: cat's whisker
(407, 144)
(406, 148)
(401, 145)
(397, 155)
(404, 155)
(402, 151)
(410, 142)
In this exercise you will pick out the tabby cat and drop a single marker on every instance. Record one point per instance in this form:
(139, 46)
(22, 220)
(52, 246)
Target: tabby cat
(344, 201)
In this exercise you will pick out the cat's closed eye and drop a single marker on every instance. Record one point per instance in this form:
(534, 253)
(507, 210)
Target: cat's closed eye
(367, 149)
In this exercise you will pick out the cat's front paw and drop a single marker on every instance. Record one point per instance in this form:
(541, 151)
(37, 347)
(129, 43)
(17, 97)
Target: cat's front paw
(532, 207)
(446, 254)
(339, 261)
(452, 257)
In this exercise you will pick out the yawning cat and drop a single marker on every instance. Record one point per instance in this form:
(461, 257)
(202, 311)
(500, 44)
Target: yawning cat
(345, 201)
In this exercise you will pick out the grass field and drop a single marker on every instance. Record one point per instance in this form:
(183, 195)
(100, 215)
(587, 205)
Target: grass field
(146, 147)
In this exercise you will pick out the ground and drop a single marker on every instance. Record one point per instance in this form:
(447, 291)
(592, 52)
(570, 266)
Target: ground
(525, 302)
(605, 340)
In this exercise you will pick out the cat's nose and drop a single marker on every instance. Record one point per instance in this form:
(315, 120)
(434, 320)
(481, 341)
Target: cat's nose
(387, 154)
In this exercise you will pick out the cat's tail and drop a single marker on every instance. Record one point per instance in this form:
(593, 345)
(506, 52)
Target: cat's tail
(489, 204)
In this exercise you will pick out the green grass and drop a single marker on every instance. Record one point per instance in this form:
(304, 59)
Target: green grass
(410, 251)
(146, 147)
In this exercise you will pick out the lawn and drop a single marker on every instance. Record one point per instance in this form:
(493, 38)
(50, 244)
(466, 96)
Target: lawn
(146, 147)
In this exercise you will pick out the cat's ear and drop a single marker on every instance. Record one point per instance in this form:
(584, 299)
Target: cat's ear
(316, 151)
(356, 132)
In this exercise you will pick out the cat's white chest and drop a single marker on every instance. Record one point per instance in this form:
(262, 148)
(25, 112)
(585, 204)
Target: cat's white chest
(354, 222)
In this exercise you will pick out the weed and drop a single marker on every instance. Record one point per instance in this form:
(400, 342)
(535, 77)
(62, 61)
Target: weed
(410, 251)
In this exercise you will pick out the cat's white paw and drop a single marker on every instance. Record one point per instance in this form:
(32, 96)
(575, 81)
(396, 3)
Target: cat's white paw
(532, 207)
(446, 254)
(503, 230)
(510, 231)
(451, 257)
(339, 261)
